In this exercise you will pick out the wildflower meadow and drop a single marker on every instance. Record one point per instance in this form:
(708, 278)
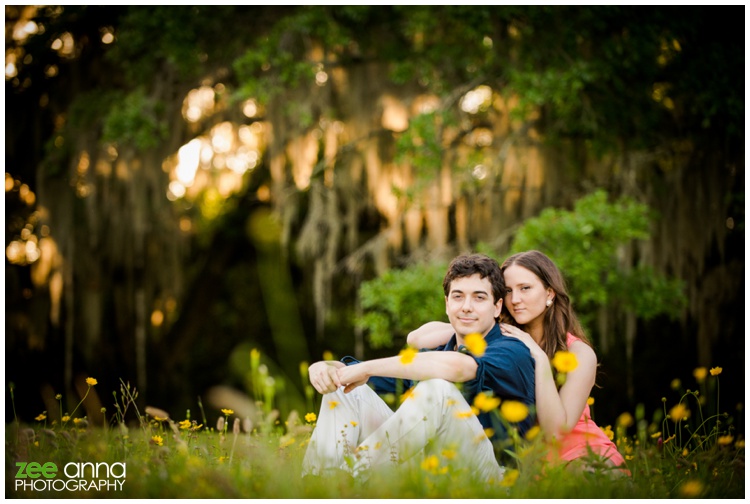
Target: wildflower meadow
(689, 446)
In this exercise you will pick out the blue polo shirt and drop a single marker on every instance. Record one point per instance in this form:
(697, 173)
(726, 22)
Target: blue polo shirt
(506, 370)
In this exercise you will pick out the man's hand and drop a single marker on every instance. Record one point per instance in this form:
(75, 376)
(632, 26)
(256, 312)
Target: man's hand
(353, 376)
(323, 376)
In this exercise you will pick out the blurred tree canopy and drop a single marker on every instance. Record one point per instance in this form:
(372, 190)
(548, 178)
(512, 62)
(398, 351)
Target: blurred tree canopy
(184, 181)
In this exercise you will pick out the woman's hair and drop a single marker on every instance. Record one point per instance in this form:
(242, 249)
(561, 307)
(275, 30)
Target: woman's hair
(559, 318)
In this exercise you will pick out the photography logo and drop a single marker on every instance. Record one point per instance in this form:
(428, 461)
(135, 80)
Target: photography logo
(75, 476)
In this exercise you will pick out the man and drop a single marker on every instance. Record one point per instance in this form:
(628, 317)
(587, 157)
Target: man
(355, 424)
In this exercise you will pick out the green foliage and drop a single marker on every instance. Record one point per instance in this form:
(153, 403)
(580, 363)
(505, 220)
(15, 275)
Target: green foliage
(586, 244)
(399, 301)
(135, 121)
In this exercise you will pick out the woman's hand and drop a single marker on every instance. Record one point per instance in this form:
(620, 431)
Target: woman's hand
(323, 376)
(526, 339)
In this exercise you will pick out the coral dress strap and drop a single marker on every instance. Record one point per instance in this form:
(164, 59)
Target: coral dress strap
(572, 339)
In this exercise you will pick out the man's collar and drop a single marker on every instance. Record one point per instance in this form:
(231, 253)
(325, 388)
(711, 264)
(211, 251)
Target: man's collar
(492, 335)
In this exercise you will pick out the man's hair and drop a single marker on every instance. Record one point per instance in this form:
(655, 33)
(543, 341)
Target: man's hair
(470, 264)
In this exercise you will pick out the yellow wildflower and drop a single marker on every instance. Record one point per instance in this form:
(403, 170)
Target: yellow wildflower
(670, 438)
(679, 413)
(448, 454)
(608, 431)
(700, 374)
(564, 362)
(333, 404)
(532, 433)
(41, 417)
(486, 402)
(740, 444)
(476, 344)
(65, 418)
(725, 440)
(431, 463)
(311, 417)
(286, 441)
(625, 420)
(514, 411)
(590, 401)
(675, 384)
(489, 432)
(509, 478)
(185, 424)
(407, 355)
(656, 435)
(354, 424)
(157, 413)
(327, 355)
(157, 440)
(58, 396)
(715, 371)
(223, 459)
(91, 381)
(227, 411)
(692, 488)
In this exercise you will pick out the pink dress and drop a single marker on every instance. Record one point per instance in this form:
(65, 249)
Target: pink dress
(586, 434)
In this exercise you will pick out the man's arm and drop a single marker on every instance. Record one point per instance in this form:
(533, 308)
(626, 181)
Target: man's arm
(452, 366)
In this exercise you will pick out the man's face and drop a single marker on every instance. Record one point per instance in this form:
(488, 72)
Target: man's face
(470, 306)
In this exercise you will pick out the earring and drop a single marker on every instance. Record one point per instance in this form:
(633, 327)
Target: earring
(549, 302)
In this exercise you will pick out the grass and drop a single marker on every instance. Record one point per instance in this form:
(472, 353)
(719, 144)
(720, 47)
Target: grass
(679, 453)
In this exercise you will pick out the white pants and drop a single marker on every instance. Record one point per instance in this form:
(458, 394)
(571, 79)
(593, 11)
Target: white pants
(360, 426)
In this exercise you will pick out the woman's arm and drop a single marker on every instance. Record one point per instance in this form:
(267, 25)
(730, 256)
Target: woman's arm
(559, 411)
(430, 335)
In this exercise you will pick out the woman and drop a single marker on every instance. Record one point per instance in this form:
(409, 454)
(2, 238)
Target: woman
(540, 314)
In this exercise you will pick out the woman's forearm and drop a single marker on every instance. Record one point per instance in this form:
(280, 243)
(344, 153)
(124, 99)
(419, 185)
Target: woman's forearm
(550, 410)
(558, 411)
(430, 335)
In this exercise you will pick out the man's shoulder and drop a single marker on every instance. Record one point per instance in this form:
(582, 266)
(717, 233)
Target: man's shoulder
(509, 341)
(508, 344)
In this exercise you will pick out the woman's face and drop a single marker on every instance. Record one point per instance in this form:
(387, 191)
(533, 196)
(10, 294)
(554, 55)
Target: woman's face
(526, 297)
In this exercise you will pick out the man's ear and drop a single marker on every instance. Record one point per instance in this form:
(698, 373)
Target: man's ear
(446, 306)
(498, 307)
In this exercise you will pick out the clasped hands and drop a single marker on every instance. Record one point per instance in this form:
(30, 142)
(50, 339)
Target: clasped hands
(327, 376)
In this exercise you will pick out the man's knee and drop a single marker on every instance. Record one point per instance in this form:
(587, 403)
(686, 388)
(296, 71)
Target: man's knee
(437, 386)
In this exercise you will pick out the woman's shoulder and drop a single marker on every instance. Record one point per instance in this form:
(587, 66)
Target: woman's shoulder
(581, 348)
